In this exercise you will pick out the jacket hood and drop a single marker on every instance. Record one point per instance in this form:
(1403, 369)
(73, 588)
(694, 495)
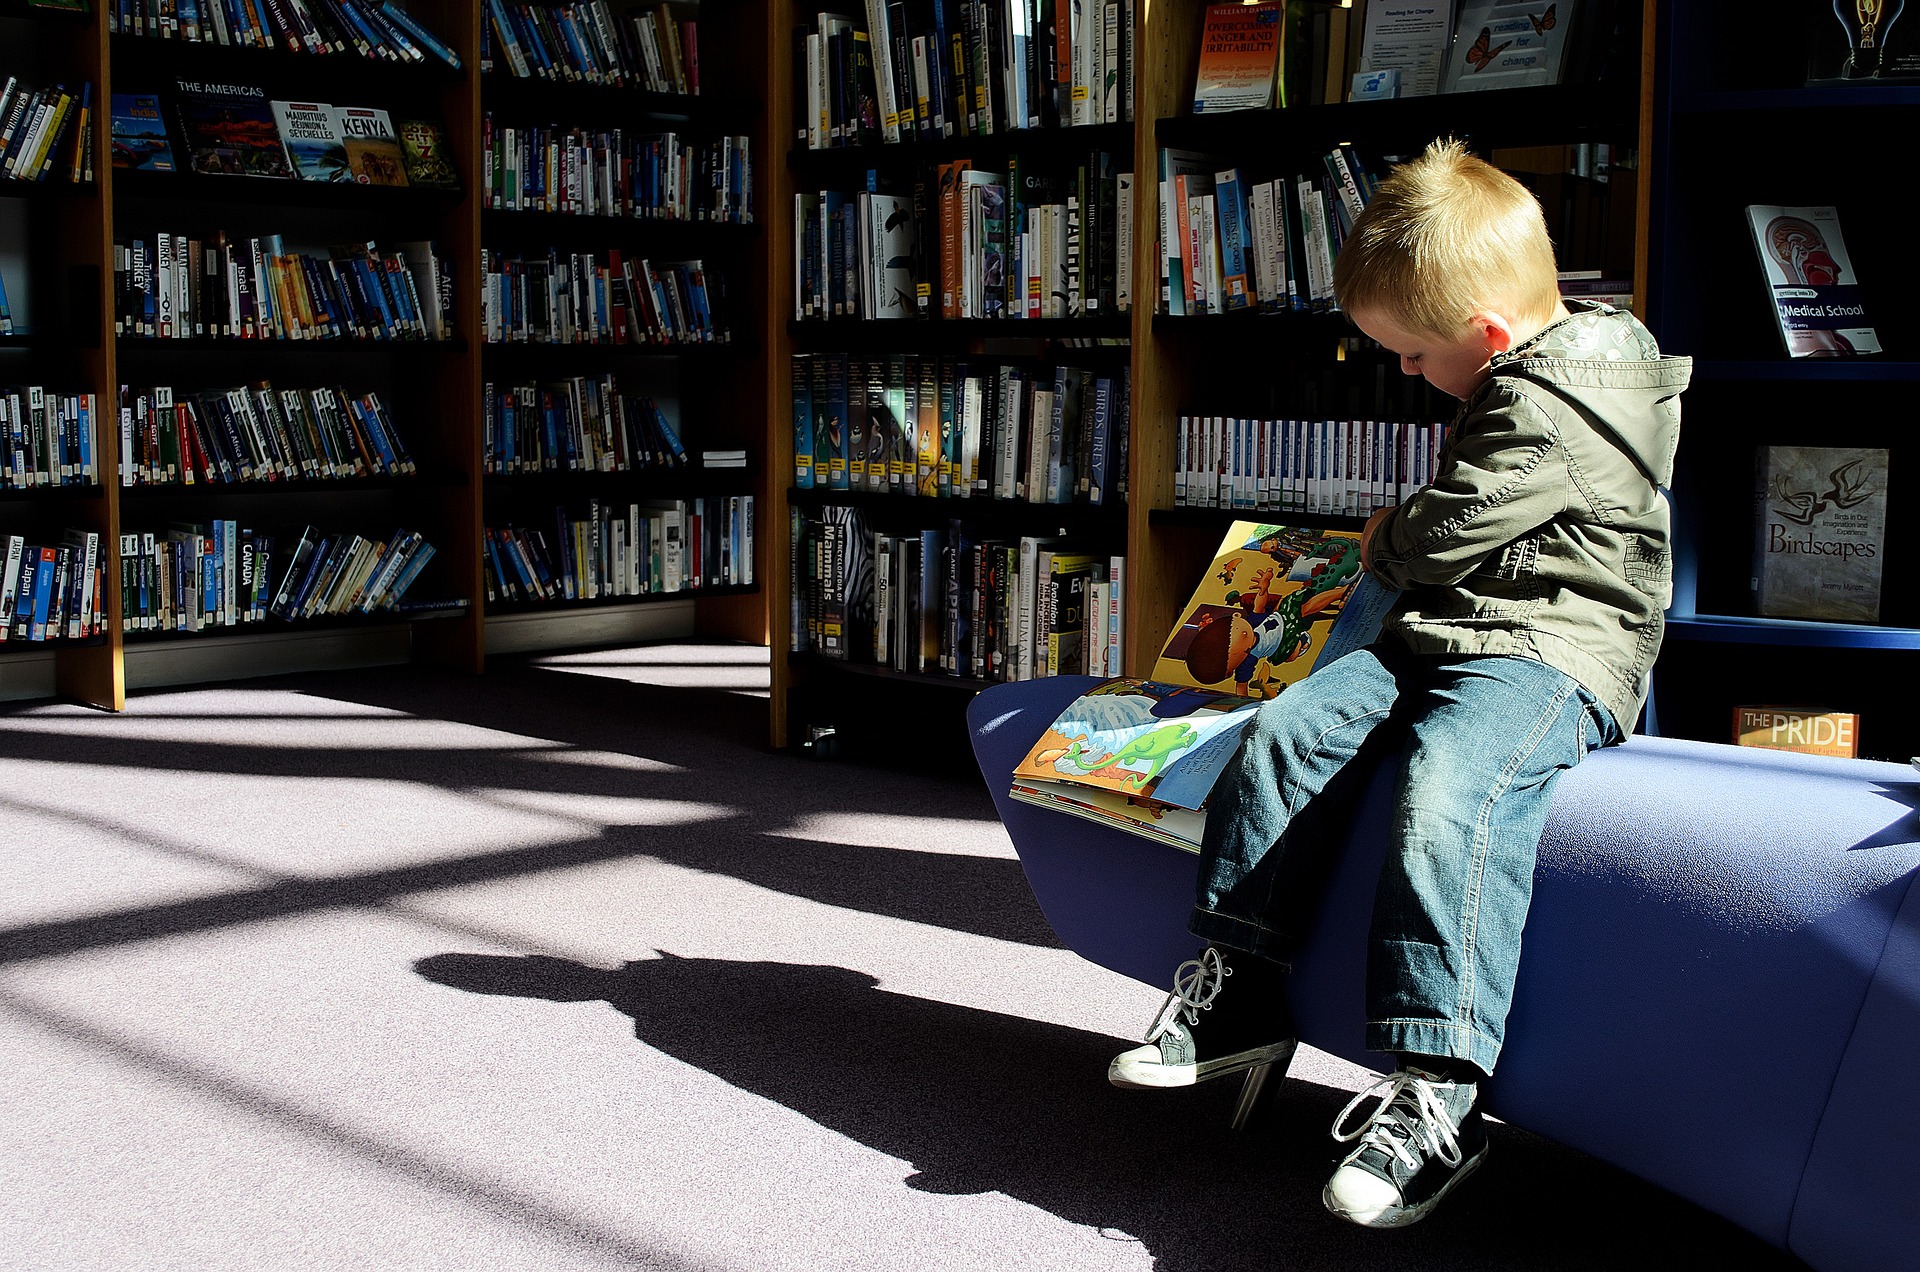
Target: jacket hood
(1602, 361)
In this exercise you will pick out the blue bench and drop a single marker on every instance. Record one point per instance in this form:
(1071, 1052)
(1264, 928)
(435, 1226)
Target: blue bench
(1720, 987)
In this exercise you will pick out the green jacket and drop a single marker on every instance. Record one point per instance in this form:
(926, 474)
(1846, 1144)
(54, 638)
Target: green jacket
(1544, 533)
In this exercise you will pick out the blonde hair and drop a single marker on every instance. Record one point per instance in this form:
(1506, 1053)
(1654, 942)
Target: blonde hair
(1444, 236)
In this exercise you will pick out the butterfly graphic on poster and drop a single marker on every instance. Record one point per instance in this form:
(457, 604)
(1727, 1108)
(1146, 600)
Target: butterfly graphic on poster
(1480, 54)
(1543, 23)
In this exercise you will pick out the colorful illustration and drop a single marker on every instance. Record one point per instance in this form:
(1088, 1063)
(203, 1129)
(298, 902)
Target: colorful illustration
(229, 130)
(1267, 609)
(1148, 741)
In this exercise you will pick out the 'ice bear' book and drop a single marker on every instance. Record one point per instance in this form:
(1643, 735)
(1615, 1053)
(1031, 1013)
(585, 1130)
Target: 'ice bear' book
(1276, 602)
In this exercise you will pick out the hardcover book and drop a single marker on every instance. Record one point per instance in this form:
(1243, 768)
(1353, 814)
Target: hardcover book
(1275, 603)
(140, 133)
(423, 151)
(1819, 532)
(1861, 42)
(229, 130)
(1239, 53)
(373, 147)
(1817, 306)
(313, 143)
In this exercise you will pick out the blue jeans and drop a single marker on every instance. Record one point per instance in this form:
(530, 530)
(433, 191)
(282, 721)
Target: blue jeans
(1479, 742)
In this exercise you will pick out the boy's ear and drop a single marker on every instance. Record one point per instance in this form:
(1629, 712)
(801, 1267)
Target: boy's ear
(1493, 329)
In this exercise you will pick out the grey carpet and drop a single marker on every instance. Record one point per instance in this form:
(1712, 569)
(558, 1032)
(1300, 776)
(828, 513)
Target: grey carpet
(562, 968)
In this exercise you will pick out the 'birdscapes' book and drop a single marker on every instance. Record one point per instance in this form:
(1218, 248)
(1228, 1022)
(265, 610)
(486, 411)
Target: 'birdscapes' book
(1820, 532)
(140, 134)
(1276, 602)
(1816, 299)
(229, 130)
(313, 144)
(1239, 52)
(373, 148)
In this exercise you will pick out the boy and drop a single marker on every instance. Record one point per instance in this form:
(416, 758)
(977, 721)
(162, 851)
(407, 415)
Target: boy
(1535, 570)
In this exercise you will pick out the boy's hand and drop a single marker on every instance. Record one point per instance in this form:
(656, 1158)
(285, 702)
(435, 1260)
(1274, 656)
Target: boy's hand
(1367, 532)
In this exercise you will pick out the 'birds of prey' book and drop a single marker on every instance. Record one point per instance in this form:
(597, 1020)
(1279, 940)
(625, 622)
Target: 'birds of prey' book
(313, 143)
(229, 130)
(1817, 305)
(1142, 755)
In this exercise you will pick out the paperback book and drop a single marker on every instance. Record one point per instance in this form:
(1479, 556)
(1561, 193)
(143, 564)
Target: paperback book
(372, 145)
(229, 130)
(1275, 603)
(1239, 53)
(1820, 532)
(423, 152)
(313, 143)
(1817, 305)
(140, 133)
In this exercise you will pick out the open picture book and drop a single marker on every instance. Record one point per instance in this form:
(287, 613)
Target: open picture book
(1276, 602)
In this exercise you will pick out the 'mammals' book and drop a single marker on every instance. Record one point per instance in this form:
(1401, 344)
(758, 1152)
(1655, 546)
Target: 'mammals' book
(1275, 603)
(313, 144)
(1810, 280)
(140, 134)
(373, 148)
(229, 129)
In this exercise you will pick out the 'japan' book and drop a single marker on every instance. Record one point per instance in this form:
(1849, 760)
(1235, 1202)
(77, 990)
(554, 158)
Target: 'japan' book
(1142, 755)
(1817, 306)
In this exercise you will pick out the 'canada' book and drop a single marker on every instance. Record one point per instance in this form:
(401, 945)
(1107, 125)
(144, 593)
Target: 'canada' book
(1142, 755)
(1810, 280)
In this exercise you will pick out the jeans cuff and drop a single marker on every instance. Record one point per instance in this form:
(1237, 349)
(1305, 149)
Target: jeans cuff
(1239, 934)
(1433, 1038)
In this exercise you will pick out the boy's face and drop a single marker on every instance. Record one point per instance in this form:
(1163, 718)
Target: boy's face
(1454, 365)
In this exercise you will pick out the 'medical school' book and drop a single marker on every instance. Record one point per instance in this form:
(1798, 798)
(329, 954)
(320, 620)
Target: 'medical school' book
(1815, 293)
(1276, 602)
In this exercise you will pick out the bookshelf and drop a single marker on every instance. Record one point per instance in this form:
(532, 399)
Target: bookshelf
(706, 392)
(57, 253)
(1717, 106)
(810, 687)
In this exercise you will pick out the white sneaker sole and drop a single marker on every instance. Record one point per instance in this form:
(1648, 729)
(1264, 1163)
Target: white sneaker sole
(1141, 1070)
(1401, 1216)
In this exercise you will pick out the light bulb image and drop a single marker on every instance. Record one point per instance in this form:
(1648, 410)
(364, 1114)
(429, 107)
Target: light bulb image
(1867, 23)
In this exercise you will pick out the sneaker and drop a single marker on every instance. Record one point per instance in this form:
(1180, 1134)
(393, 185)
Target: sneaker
(1181, 1050)
(1424, 1136)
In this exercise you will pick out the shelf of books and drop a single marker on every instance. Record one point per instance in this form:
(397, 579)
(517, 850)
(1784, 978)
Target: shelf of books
(1785, 280)
(621, 254)
(269, 353)
(955, 353)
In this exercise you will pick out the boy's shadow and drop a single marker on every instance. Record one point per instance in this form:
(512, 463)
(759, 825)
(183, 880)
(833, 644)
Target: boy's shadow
(978, 1101)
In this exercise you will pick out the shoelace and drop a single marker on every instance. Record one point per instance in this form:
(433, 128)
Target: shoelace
(1196, 983)
(1409, 1112)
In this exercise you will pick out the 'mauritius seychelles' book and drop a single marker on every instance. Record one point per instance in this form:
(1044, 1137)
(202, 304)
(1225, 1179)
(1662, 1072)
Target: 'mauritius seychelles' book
(1142, 755)
(1820, 532)
(313, 143)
